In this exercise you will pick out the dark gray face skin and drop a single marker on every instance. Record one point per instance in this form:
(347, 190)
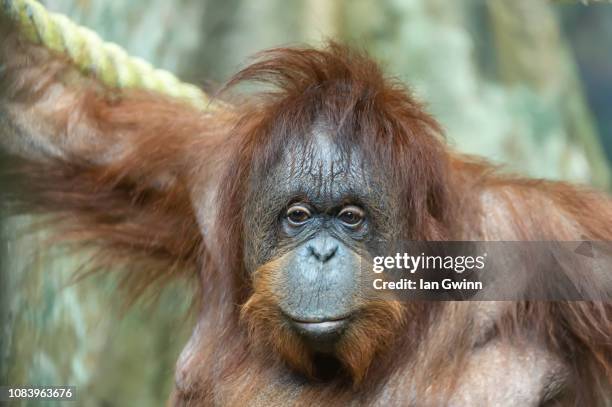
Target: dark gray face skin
(318, 211)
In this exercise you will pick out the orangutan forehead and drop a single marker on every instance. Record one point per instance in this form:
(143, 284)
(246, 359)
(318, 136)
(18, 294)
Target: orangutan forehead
(320, 167)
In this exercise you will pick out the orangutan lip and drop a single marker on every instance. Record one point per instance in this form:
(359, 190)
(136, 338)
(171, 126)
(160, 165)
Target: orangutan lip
(321, 329)
(318, 320)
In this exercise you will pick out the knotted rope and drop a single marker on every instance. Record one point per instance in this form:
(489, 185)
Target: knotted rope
(107, 61)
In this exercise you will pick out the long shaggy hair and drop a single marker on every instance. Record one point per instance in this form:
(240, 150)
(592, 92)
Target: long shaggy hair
(157, 187)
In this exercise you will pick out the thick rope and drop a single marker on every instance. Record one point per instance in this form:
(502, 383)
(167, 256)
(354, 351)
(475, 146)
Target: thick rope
(107, 61)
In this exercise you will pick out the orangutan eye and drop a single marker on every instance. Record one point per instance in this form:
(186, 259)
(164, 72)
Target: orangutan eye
(351, 216)
(297, 215)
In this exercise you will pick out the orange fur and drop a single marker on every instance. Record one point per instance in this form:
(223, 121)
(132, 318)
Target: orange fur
(129, 173)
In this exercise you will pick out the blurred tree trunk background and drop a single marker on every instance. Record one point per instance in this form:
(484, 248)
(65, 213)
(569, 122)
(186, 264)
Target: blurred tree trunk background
(501, 76)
